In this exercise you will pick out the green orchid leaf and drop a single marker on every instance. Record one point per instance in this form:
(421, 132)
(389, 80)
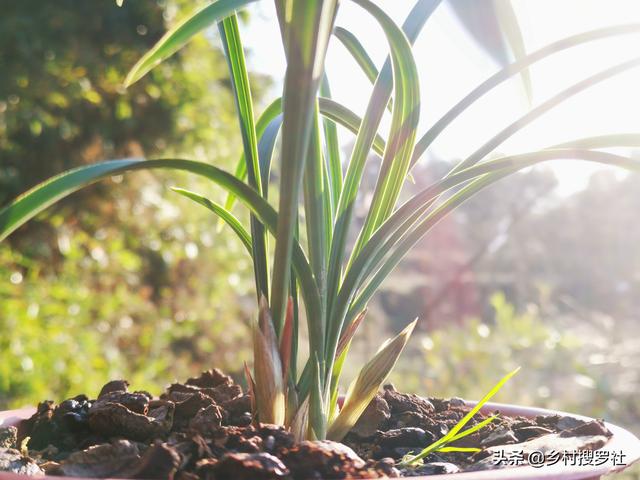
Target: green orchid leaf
(627, 140)
(47, 193)
(234, 53)
(178, 36)
(427, 139)
(225, 215)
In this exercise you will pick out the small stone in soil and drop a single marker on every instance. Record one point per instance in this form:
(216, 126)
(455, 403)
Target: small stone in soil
(374, 416)
(500, 436)
(322, 459)
(136, 402)
(249, 466)
(12, 461)
(191, 405)
(106, 460)
(8, 437)
(224, 392)
(403, 402)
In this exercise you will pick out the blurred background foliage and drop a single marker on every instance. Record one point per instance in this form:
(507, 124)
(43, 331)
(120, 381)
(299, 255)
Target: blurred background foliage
(127, 280)
(112, 282)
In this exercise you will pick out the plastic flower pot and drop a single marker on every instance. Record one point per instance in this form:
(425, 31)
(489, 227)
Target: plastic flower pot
(622, 442)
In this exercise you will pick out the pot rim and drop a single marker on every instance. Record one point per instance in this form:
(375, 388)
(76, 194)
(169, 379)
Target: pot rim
(621, 441)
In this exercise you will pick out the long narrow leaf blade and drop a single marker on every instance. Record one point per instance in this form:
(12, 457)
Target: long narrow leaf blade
(234, 53)
(332, 152)
(317, 211)
(357, 51)
(427, 139)
(405, 113)
(29, 204)
(398, 234)
(273, 110)
(308, 27)
(628, 140)
(414, 22)
(399, 148)
(544, 107)
(178, 36)
(224, 215)
(270, 123)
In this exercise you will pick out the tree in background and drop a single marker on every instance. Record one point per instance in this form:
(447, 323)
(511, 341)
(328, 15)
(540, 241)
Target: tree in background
(92, 291)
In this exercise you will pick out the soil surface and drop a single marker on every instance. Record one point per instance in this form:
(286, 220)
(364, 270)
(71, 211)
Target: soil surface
(203, 429)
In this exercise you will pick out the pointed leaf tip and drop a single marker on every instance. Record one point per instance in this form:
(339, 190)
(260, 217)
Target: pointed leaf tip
(368, 382)
(350, 332)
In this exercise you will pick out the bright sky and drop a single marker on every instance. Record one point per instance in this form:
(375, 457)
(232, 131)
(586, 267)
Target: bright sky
(450, 65)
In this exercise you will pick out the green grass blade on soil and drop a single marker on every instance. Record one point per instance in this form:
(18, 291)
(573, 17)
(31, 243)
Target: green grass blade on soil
(178, 36)
(459, 449)
(472, 430)
(448, 438)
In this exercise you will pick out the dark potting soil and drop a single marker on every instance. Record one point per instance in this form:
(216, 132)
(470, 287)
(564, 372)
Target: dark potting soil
(203, 429)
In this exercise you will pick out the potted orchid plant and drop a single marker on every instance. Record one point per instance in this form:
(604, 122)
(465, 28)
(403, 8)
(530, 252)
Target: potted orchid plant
(296, 410)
